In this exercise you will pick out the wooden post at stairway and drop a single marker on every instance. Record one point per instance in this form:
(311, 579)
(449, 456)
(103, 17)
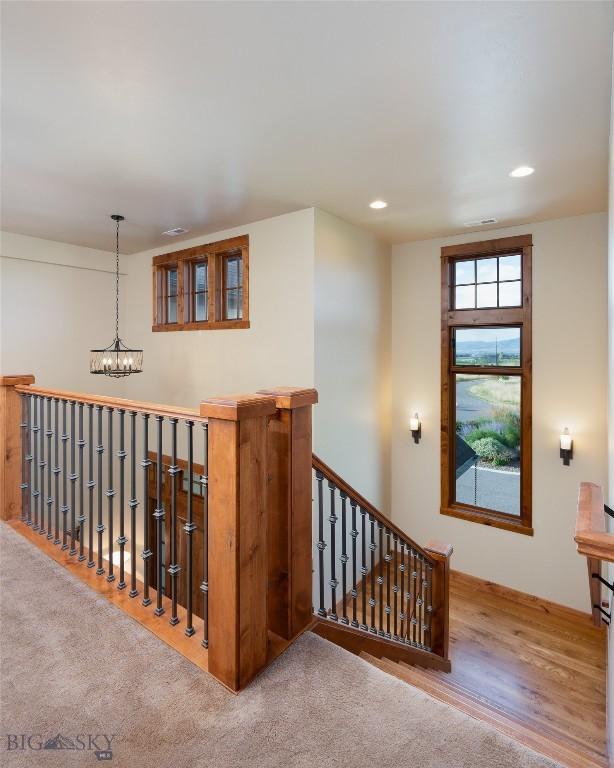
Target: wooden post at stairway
(238, 566)
(10, 446)
(440, 632)
(289, 510)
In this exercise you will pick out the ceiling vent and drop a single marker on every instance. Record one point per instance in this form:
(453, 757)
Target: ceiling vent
(480, 222)
(174, 232)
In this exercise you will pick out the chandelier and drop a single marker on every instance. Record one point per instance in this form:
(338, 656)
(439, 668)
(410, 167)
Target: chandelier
(116, 360)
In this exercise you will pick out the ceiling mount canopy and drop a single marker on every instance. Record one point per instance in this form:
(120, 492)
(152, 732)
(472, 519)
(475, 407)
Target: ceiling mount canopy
(116, 360)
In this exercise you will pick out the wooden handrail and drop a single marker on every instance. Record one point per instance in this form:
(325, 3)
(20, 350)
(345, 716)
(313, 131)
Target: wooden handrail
(593, 541)
(192, 414)
(591, 536)
(344, 487)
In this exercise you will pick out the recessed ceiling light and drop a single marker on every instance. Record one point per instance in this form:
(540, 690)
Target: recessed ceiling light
(480, 222)
(522, 170)
(377, 204)
(174, 232)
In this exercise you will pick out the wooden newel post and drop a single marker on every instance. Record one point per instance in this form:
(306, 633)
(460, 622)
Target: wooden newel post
(10, 446)
(440, 633)
(237, 535)
(289, 511)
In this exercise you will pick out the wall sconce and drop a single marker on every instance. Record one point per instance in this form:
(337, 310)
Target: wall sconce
(415, 427)
(566, 447)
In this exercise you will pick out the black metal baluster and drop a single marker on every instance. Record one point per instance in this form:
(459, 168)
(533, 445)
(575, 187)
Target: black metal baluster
(173, 568)
(372, 547)
(91, 484)
(332, 519)
(410, 595)
(133, 504)
(99, 526)
(344, 559)
(363, 568)
(354, 535)
(41, 465)
(321, 543)
(25, 485)
(429, 605)
(421, 600)
(205, 585)
(110, 494)
(35, 493)
(388, 558)
(121, 539)
(49, 434)
(414, 591)
(159, 517)
(64, 478)
(403, 596)
(81, 518)
(189, 529)
(380, 578)
(395, 587)
(73, 480)
(57, 470)
(146, 553)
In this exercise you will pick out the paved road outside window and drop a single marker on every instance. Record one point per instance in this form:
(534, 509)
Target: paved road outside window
(495, 489)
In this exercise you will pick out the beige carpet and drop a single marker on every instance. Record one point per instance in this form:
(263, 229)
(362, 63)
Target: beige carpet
(72, 664)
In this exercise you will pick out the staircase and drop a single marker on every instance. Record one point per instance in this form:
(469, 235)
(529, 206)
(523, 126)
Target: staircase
(531, 669)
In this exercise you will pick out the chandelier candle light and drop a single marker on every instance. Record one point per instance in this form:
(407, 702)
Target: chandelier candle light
(116, 360)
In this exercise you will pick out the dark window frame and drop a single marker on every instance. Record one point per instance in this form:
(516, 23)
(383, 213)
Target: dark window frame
(214, 255)
(451, 319)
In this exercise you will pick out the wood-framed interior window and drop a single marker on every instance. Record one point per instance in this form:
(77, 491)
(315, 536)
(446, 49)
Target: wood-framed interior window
(486, 362)
(200, 288)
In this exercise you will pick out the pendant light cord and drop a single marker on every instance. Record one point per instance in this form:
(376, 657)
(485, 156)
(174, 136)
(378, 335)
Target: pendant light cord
(117, 280)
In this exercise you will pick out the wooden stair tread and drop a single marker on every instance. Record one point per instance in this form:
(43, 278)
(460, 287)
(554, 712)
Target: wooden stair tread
(543, 740)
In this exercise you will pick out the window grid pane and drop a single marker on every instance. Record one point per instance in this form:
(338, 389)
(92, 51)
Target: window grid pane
(200, 295)
(464, 272)
(171, 295)
(488, 283)
(483, 346)
(233, 288)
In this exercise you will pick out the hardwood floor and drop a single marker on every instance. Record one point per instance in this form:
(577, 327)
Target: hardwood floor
(539, 662)
(534, 670)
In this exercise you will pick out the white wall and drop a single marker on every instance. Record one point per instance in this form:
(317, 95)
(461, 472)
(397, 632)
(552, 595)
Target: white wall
(183, 368)
(352, 355)
(57, 301)
(569, 389)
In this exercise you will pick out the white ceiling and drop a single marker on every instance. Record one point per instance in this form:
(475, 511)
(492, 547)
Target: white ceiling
(210, 115)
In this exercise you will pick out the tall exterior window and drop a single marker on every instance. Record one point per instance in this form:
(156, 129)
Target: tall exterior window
(202, 288)
(486, 383)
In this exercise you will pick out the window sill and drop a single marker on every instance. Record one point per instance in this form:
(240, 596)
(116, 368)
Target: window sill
(219, 325)
(485, 518)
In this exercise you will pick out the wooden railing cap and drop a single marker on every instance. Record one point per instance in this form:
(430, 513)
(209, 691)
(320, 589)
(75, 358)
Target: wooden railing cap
(591, 536)
(291, 397)
(16, 380)
(237, 407)
(437, 547)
